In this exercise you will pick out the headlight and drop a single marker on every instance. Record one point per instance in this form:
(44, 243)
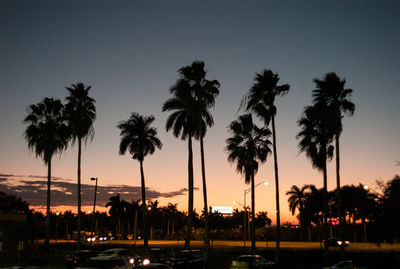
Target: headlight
(339, 243)
(146, 262)
(131, 261)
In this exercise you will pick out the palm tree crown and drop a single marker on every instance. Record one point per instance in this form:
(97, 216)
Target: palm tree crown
(261, 98)
(138, 137)
(81, 111)
(47, 132)
(248, 146)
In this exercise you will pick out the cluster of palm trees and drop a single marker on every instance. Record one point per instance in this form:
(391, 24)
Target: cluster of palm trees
(321, 126)
(52, 126)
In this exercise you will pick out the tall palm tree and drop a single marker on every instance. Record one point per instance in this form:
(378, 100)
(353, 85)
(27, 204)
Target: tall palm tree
(204, 92)
(140, 139)
(248, 146)
(315, 139)
(80, 113)
(184, 121)
(331, 90)
(261, 101)
(297, 200)
(46, 134)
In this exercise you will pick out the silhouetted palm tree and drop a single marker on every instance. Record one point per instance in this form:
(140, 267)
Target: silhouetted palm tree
(46, 134)
(80, 114)
(296, 200)
(261, 101)
(204, 91)
(331, 91)
(140, 139)
(184, 123)
(315, 139)
(117, 211)
(248, 146)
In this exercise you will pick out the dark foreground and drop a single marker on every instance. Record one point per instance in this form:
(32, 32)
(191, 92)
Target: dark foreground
(220, 257)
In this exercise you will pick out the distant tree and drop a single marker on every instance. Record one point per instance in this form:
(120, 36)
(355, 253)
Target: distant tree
(117, 211)
(296, 200)
(248, 146)
(261, 101)
(140, 139)
(80, 112)
(47, 134)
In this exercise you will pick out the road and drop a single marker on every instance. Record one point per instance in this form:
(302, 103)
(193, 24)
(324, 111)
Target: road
(353, 247)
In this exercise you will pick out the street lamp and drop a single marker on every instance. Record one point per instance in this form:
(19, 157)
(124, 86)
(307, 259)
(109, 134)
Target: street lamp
(247, 209)
(245, 221)
(94, 203)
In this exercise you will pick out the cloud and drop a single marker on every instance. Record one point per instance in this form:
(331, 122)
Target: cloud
(64, 193)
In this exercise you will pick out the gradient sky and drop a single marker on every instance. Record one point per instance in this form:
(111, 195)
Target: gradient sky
(130, 51)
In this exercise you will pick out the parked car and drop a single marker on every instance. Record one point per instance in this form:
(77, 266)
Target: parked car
(106, 262)
(336, 242)
(251, 261)
(157, 255)
(189, 259)
(123, 252)
(76, 258)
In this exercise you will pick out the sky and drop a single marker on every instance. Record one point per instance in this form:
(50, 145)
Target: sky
(130, 52)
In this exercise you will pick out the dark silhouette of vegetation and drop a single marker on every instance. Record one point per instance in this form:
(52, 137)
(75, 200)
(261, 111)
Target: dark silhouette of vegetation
(204, 92)
(315, 141)
(46, 134)
(248, 146)
(297, 200)
(261, 101)
(140, 139)
(80, 112)
(331, 91)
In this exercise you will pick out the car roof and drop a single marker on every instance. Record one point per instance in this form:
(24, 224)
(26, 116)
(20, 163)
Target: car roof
(102, 258)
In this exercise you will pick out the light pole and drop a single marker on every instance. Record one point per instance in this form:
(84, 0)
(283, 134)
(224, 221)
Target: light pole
(94, 203)
(246, 209)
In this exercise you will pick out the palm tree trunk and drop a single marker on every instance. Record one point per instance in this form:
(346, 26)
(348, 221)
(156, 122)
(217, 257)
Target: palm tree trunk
(145, 239)
(135, 226)
(190, 203)
(203, 173)
(339, 195)
(47, 240)
(325, 209)
(253, 237)
(278, 221)
(79, 193)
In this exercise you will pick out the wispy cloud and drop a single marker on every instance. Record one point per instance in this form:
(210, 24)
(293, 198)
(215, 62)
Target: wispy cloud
(63, 193)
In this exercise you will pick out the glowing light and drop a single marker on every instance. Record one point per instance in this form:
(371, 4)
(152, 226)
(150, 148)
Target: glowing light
(146, 262)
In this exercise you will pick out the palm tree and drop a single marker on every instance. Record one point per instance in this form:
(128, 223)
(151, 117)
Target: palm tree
(248, 146)
(117, 211)
(140, 139)
(296, 200)
(315, 139)
(261, 101)
(80, 113)
(204, 92)
(184, 121)
(331, 91)
(46, 134)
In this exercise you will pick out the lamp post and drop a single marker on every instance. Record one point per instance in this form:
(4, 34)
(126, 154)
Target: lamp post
(246, 191)
(246, 218)
(94, 203)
